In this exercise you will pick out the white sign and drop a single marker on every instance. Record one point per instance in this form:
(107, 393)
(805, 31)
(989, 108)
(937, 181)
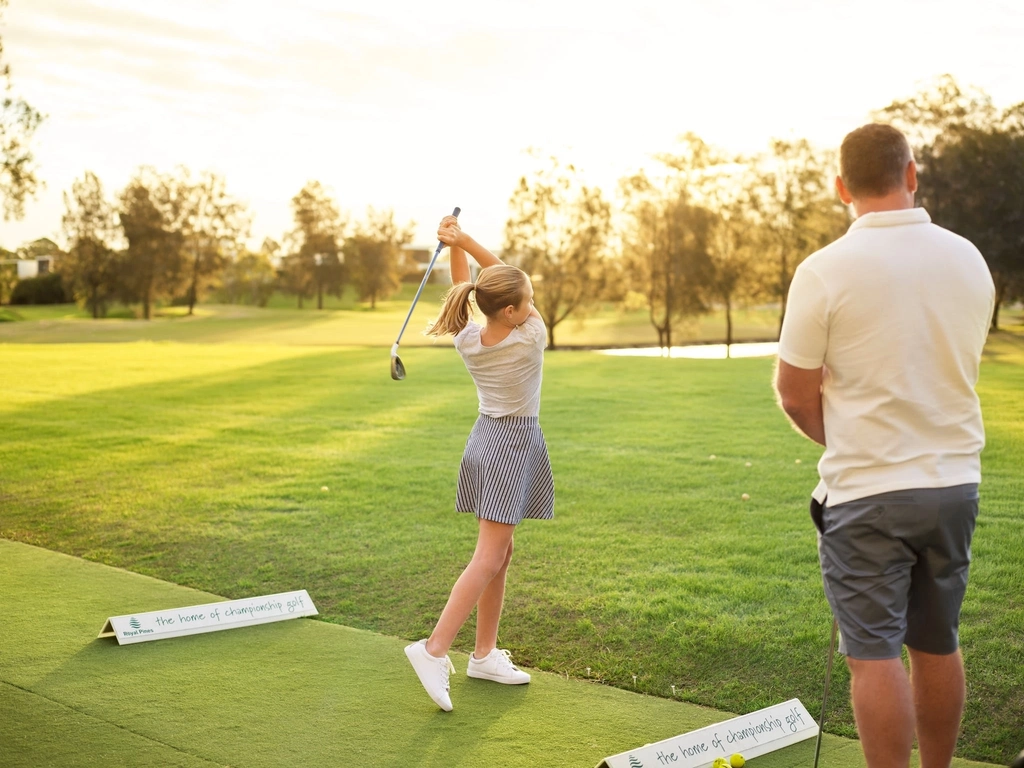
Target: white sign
(195, 619)
(758, 733)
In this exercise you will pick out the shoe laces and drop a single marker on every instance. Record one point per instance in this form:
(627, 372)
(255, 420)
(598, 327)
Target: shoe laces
(447, 668)
(505, 659)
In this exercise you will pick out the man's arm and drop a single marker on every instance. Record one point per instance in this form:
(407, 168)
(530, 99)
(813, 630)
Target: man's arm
(799, 395)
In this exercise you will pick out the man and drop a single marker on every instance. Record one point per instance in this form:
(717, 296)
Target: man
(878, 360)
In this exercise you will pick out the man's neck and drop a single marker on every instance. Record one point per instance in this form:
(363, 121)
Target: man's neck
(894, 201)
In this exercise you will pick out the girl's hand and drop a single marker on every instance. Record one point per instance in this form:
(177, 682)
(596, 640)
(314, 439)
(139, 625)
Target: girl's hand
(448, 232)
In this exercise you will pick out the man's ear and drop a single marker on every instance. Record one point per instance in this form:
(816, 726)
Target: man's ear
(844, 193)
(912, 177)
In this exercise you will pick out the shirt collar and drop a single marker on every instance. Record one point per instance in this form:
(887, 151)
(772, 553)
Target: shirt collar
(892, 218)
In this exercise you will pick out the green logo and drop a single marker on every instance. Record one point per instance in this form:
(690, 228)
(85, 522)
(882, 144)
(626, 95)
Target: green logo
(134, 623)
(634, 762)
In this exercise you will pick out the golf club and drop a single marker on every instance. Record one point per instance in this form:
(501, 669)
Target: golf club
(397, 368)
(824, 696)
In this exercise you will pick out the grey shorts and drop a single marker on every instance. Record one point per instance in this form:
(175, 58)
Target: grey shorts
(895, 568)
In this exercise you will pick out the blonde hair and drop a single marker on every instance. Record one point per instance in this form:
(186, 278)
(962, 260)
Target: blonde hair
(496, 287)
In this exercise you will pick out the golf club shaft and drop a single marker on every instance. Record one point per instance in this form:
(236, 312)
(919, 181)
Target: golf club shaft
(824, 696)
(423, 282)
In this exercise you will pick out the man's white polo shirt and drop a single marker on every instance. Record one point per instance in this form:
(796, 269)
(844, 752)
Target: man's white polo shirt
(897, 310)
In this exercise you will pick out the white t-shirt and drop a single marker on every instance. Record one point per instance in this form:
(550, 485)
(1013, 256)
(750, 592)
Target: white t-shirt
(508, 374)
(897, 310)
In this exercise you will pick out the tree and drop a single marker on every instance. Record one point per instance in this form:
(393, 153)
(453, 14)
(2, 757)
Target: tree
(969, 156)
(8, 274)
(212, 225)
(794, 199)
(314, 264)
(248, 278)
(666, 234)
(373, 255)
(18, 123)
(90, 268)
(938, 106)
(558, 233)
(733, 245)
(972, 182)
(153, 265)
(665, 247)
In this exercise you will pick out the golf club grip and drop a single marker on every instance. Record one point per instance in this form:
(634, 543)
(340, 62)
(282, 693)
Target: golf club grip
(456, 212)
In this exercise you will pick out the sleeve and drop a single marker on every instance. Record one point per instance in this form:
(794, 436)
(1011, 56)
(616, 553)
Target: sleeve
(535, 332)
(459, 338)
(804, 337)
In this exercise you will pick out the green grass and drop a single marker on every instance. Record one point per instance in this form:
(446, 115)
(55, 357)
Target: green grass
(347, 321)
(300, 691)
(202, 464)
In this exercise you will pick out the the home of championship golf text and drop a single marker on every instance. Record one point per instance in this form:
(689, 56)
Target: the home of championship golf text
(736, 738)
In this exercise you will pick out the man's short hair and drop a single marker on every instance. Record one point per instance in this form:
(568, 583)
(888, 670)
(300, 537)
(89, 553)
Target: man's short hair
(873, 160)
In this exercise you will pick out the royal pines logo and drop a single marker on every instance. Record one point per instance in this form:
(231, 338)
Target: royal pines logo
(134, 623)
(635, 762)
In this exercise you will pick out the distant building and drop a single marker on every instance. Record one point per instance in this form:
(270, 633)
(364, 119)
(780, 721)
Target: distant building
(34, 267)
(38, 258)
(417, 257)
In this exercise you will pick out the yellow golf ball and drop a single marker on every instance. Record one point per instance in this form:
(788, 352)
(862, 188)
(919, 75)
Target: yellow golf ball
(720, 762)
(737, 761)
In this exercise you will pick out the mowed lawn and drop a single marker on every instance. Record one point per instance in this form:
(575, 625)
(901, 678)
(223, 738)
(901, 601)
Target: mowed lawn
(243, 469)
(348, 321)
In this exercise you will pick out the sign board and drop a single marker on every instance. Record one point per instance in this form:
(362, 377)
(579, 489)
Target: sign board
(211, 617)
(758, 733)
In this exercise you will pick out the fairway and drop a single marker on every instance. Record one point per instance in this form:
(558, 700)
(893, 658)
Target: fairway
(346, 321)
(296, 692)
(204, 464)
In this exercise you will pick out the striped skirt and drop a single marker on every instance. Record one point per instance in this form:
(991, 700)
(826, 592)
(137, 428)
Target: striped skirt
(505, 475)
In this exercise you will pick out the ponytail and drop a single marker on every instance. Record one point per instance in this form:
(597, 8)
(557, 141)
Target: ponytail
(456, 311)
(497, 286)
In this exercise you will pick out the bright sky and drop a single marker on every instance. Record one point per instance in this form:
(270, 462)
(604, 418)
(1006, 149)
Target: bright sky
(421, 106)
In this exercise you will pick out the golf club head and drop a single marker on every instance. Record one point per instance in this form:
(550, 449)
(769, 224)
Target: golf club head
(1018, 762)
(397, 369)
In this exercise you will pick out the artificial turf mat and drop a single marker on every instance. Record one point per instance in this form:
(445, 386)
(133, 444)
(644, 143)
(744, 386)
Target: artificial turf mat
(296, 692)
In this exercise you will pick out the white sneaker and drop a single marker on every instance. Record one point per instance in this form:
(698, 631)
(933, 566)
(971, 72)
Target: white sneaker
(432, 672)
(497, 666)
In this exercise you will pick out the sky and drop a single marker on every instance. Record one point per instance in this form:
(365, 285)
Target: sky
(419, 107)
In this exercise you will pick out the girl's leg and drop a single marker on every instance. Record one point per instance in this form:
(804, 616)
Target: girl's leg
(488, 609)
(492, 551)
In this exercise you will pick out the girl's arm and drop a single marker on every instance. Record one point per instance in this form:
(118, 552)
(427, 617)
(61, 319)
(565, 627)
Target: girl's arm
(450, 234)
(459, 265)
(483, 257)
(447, 232)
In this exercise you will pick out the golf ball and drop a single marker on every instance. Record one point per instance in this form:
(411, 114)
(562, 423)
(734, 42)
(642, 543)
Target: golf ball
(323, 488)
(712, 456)
(798, 461)
(745, 497)
(737, 761)
(720, 762)
(749, 464)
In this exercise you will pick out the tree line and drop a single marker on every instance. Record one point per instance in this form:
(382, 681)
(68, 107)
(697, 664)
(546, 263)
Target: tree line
(709, 229)
(704, 229)
(176, 237)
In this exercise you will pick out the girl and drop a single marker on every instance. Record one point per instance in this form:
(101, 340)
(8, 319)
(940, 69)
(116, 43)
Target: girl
(505, 474)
